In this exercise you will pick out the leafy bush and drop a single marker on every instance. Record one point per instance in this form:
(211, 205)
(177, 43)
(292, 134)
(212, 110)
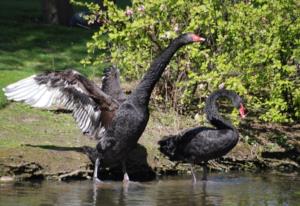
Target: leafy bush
(252, 47)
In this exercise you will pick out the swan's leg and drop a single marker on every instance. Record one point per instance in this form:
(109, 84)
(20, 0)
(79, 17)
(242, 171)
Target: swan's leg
(95, 177)
(126, 177)
(205, 171)
(193, 174)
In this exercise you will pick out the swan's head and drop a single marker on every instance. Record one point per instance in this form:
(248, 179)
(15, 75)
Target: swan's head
(211, 108)
(238, 103)
(167, 146)
(190, 38)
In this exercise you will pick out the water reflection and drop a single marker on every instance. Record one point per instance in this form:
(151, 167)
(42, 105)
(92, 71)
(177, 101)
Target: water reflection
(222, 189)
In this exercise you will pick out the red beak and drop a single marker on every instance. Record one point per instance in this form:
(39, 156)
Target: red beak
(197, 38)
(242, 111)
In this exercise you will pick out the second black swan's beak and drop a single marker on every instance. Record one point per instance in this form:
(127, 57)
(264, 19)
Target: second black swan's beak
(242, 111)
(197, 38)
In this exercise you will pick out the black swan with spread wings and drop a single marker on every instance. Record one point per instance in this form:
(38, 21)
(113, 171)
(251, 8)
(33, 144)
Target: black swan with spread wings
(116, 121)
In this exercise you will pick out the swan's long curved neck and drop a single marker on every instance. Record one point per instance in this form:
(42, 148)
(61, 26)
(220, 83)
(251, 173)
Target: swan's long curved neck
(145, 87)
(212, 113)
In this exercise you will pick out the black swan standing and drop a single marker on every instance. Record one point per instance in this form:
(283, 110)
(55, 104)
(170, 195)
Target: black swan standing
(117, 122)
(200, 144)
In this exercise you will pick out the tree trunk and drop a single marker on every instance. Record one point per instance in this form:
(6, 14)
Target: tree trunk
(49, 11)
(65, 11)
(57, 11)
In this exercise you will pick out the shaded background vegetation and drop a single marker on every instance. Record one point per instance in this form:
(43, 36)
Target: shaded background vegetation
(28, 45)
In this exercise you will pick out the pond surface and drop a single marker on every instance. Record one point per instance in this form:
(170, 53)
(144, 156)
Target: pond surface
(220, 189)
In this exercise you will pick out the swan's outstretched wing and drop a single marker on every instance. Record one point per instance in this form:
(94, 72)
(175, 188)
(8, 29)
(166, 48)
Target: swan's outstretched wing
(111, 84)
(61, 90)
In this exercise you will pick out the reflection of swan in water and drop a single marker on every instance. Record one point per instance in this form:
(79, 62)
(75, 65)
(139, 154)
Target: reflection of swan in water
(169, 191)
(203, 193)
(161, 193)
(232, 189)
(204, 199)
(114, 193)
(104, 194)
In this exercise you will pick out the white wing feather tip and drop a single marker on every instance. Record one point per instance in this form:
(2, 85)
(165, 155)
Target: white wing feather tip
(59, 93)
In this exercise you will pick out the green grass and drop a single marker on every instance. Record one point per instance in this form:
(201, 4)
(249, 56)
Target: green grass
(28, 46)
(21, 125)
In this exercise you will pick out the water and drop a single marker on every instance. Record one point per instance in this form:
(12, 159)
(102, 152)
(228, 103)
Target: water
(220, 189)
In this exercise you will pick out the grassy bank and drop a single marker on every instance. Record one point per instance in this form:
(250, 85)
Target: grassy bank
(28, 46)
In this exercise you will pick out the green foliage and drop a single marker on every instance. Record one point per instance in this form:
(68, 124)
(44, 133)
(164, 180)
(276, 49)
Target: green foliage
(252, 47)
